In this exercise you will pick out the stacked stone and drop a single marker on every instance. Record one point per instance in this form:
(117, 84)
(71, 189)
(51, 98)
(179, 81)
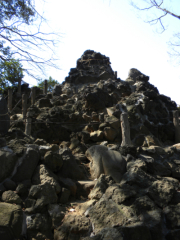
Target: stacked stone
(91, 67)
(75, 152)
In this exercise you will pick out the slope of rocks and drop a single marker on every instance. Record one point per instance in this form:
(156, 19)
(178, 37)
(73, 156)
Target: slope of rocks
(72, 179)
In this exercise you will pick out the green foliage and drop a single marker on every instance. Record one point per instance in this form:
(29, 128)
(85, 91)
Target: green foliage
(19, 9)
(10, 73)
(50, 83)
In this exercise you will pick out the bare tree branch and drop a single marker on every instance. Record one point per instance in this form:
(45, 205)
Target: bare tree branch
(27, 43)
(154, 6)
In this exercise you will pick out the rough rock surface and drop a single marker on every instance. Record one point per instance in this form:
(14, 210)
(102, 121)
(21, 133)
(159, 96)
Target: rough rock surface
(43, 175)
(7, 160)
(11, 219)
(88, 69)
(26, 165)
(11, 197)
(46, 185)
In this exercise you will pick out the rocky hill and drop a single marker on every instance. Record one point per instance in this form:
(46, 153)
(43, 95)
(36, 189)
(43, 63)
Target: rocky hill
(71, 178)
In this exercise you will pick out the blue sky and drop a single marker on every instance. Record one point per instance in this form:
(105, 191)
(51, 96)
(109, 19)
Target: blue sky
(118, 31)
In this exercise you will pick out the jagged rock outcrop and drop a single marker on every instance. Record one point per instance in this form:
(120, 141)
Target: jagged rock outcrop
(91, 67)
(75, 153)
(101, 101)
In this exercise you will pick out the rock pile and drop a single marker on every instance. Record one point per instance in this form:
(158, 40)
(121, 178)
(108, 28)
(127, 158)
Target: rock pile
(74, 154)
(91, 67)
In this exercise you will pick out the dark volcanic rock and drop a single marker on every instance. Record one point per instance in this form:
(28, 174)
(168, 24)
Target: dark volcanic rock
(73, 227)
(57, 90)
(76, 135)
(172, 215)
(4, 117)
(162, 191)
(27, 165)
(107, 213)
(97, 100)
(7, 160)
(88, 68)
(53, 161)
(100, 186)
(11, 197)
(39, 226)
(11, 221)
(69, 164)
(147, 108)
(135, 75)
(44, 102)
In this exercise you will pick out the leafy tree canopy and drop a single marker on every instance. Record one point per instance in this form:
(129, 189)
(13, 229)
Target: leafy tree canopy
(10, 73)
(50, 84)
(19, 9)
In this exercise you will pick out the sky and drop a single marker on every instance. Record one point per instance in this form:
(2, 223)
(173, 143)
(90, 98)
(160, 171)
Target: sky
(115, 29)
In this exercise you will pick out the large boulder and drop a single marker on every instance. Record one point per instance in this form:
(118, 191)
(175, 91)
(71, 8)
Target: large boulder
(100, 187)
(11, 197)
(57, 90)
(16, 144)
(73, 227)
(26, 165)
(172, 216)
(53, 161)
(39, 226)
(107, 213)
(137, 177)
(11, 221)
(44, 195)
(104, 160)
(162, 191)
(120, 193)
(136, 75)
(42, 175)
(97, 100)
(7, 161)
